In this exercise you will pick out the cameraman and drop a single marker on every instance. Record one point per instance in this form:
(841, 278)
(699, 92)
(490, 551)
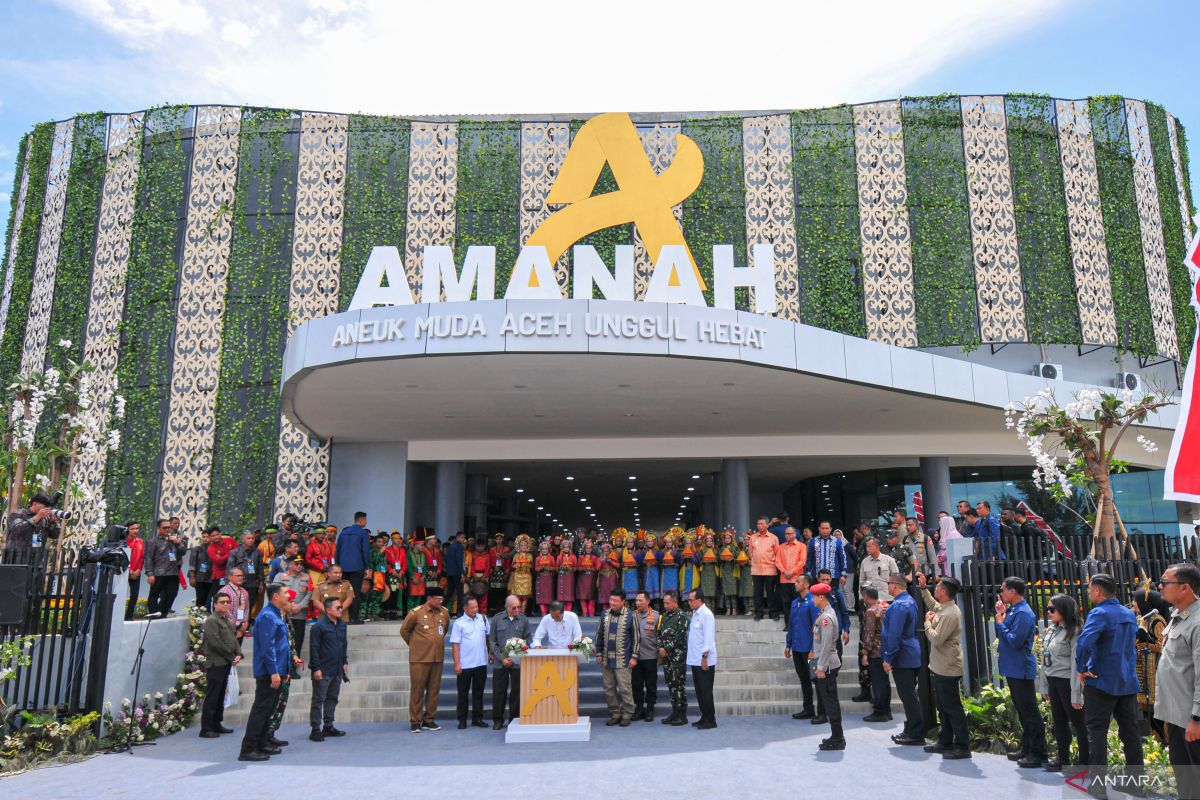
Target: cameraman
(31, 527)
(164, 556)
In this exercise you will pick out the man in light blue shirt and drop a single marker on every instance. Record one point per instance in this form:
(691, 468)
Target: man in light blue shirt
(468, 642)
(1016, 628)
(702, 658)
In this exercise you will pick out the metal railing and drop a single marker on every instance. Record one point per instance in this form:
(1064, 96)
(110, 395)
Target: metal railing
(68, 613)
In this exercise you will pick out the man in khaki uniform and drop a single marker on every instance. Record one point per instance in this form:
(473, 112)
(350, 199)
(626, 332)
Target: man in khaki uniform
(424, 631)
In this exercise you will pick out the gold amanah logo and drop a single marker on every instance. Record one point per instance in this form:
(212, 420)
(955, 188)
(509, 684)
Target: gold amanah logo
(642, 197)
(549, 684)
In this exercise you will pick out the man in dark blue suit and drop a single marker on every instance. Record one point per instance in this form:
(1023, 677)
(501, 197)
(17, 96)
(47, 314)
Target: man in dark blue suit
(902, 657)
(272, 666)
(1016, 628)
(353, 555)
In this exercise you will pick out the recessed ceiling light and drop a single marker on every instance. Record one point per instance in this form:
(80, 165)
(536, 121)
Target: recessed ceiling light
(577, 489)
(691, 488)
(635, 499)
(628, 413)
(587, 508)
(634, 491)
(681, 505)
(727, 383)
(506, 478)
(695, 477)
(520, 490)
(633, 477)
(518, 386)
(449, 416)
(531, 500)
(570, 477)
(583, 499)
(540, 508)
(622, 385)
(976, 474)
(411, 386)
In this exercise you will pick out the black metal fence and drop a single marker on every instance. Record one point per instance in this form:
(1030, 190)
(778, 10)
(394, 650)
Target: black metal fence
(1047, 571)
(67, 612)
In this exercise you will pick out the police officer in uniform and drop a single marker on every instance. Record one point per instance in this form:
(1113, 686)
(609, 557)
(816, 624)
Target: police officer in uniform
(672, 651)
(827, 662)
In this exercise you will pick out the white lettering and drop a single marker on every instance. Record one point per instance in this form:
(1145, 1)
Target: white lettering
(591, 271)
(533, 277)
(760, 275)
(383, 263)
(673, 279)
(479, 266)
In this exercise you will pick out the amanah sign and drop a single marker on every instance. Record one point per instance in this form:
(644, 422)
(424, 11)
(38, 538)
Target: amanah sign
(643, 198)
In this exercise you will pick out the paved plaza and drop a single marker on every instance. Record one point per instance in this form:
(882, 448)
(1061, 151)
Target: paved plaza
(744, 757)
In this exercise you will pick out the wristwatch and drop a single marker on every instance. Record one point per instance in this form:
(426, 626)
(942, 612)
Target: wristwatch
(1195, 718)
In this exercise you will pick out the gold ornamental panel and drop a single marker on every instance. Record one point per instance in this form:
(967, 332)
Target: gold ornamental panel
(660, 145)
(41, 297)
(302, 472)
(1154, 252)
(13, 245)
(199, 318)
(771, 203)
(884, 228)
(1085, 223)
(544, 147)
(998, 289)
(1172, 133)
(106, 304)
(432, 187)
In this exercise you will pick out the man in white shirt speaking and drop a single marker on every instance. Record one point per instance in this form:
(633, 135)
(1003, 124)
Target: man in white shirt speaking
(468, 641)
(557, 630)
(702, 658)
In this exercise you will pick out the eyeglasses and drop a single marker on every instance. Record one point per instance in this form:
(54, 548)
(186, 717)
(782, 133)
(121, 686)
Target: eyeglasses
(1177, 583)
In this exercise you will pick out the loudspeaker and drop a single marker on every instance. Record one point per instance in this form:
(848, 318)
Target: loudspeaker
(14, 593)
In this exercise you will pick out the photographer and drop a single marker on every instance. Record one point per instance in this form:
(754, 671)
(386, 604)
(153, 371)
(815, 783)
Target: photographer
(164, 555)
(33, 526)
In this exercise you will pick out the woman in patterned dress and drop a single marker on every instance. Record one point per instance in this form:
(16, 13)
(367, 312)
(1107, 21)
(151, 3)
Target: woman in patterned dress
(585, 579)
(709, 560)
(670, 564)
(652, 568)
(609, 573)
(566, 564)
(689, 572)
(545, 566)
(745, 580)
(520, 581)
(729, 572)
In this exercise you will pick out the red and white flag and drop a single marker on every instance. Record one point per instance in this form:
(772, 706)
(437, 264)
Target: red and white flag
(1041, 525)
(1182, 478)
(919, 509)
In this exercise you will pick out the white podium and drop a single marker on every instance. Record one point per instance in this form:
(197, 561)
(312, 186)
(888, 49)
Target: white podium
(549, 700)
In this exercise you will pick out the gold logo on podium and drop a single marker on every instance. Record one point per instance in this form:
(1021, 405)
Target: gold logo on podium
(548, 684)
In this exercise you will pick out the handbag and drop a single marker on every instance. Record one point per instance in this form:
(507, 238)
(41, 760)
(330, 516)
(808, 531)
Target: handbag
(232, 691)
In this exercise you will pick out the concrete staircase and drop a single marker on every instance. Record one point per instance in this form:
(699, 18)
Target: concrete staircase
(753, 677)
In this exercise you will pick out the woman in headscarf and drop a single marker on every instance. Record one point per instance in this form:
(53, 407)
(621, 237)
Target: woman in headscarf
(946, 531)
(1153, 615)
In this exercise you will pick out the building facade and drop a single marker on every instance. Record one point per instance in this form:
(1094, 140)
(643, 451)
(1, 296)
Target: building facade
(926, 255)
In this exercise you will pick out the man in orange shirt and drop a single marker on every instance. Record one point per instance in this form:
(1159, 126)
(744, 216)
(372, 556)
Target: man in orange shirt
(790, 559)
(764, 573)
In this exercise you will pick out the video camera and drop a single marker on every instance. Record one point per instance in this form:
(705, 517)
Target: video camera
(305, 525)
(114, 558)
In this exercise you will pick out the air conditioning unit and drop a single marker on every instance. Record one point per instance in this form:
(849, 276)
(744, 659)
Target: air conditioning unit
(1130, 381)
(1051, 372)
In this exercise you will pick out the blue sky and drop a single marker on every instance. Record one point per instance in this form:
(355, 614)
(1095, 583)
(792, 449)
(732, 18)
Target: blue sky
(63, 56)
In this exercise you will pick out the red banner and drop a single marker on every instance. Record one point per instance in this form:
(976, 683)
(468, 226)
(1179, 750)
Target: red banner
(1041, 525)
(1182, 478)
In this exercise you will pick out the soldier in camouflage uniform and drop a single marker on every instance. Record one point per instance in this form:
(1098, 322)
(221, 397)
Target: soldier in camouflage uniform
(672, 651)
(284, 690)
(902, 553)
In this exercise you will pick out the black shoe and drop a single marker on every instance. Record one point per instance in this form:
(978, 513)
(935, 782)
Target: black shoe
(1031, 762)
(832, 744)
(956, 753)
(861, 698)
(679, 721)
(209, 735)
(807, 713)
(478, 724)
(821, 720)
(329, 730)
(936, 748)
(271, 740)
(649, 715)
(613, 721)
(430, 726)
(758, 617)
(696, 724)
(877, 717)
(316, 736)
(706, 726)
(900, 738)
(223, 729)
(462, 724)
(1017, 756)
(415, 728)
(638, 713)
(497, 724)
(1052, 765)
(253, 755)
(667, 720)
(271, 750)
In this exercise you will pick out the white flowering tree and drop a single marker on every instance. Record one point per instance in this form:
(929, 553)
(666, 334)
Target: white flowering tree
(54, 418)
(1074, 447)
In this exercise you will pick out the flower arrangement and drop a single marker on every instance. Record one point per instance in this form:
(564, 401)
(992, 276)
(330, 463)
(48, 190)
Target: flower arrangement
(161, 715)
(584, 646)
(514, 647)
(43, 738)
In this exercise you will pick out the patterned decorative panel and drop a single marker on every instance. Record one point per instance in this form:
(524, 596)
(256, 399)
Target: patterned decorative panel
(660, 145)
(1085, 223)
(998, 288)
(771, 203)
(432, 185)
(200, 312)
(41, 298)
(106, 304)
(1176, 160)
(13, 241)
(1145, 186)
(544, 147)
(302, 475)
(883, 225)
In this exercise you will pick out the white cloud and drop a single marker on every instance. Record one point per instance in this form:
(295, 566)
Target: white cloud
(472, 56)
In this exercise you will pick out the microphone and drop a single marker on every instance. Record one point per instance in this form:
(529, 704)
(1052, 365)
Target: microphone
(155, 615)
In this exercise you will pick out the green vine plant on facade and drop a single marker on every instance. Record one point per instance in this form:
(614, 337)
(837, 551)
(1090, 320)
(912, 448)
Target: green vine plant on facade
(1175, 238)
